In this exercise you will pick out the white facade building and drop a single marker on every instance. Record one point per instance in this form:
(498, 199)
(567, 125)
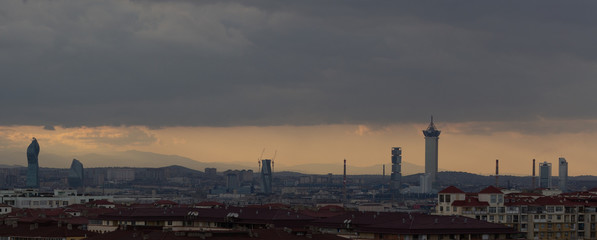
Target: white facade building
(30, 198)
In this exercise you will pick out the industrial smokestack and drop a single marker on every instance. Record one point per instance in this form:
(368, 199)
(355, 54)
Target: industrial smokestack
(497, 172)
(534, 174)
(344, 181)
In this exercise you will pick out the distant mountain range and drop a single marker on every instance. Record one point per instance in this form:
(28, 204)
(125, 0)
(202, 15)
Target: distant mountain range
(148, 159)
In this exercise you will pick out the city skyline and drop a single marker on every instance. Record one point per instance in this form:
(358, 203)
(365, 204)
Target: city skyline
(315, 82)
(74, 143)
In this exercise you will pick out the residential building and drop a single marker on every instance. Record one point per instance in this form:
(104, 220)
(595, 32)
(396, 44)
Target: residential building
(563, 216)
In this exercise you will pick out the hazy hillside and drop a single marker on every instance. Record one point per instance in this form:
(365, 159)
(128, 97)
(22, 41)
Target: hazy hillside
(147, 159)
(407, 169)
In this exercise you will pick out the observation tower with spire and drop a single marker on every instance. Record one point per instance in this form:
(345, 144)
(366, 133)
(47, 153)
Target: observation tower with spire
(431, 147)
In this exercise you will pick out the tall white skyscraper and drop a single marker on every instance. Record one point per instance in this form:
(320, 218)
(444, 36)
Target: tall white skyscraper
(545, 175)
(563, 170)
(431, 147)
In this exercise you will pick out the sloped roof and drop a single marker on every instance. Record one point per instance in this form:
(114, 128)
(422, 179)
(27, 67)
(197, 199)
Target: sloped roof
(411, 223)
(209, 204)
(490, 189)
(451, 189)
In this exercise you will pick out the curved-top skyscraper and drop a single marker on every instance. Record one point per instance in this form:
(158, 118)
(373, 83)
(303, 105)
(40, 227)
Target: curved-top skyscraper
(76, 175)
(431, 139)
(32, 165)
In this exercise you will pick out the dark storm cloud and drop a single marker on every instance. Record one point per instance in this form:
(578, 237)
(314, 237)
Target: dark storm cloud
(225, 63)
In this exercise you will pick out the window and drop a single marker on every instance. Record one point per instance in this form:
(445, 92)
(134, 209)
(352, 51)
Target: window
(492, 210)
(447, 209)
(441, 198)
(448, 198)
(493, 198)
(550, 209)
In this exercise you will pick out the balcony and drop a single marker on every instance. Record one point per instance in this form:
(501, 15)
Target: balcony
(475, 212)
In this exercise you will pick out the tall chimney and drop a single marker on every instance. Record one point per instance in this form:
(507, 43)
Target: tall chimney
(344, 181)
(497, 172)
(534, 174)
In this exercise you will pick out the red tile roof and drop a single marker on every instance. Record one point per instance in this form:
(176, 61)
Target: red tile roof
(165, 202)
(411, 223)
(208, 204)
(490, 189)
(451, 189)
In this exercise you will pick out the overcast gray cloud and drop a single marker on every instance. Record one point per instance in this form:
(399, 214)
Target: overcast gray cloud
(225, 63)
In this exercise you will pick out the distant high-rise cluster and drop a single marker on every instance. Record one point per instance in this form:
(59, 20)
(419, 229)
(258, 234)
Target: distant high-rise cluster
(396, 176)
(76, 174)
(33, 165)
(431, 150)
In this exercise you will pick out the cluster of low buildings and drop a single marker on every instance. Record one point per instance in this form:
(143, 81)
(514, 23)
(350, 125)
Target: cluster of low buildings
(102, 219)
(542, 214)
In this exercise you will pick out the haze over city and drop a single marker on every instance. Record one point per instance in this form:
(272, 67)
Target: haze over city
(311, 81)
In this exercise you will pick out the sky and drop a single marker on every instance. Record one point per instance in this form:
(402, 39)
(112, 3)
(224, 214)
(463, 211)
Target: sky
(309, 81)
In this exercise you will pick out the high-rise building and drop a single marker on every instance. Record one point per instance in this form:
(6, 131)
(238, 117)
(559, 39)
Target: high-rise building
(545, 175)
(266, 176)
(76, 174)
(396, 177)
(232, 181)
(563, 176)
(431, 149)
(33, 165)
(425, 183)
